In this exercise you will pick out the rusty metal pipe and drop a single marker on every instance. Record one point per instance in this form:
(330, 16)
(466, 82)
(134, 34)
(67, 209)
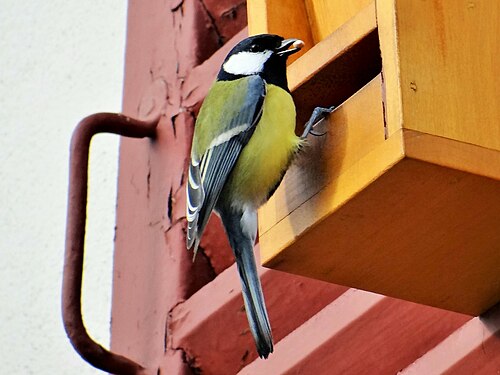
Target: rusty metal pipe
(88, 349)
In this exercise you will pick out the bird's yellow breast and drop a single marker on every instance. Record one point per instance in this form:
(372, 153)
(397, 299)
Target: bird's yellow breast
(265, 158)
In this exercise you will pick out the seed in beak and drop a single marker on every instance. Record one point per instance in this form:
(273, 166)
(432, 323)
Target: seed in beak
(298, 44)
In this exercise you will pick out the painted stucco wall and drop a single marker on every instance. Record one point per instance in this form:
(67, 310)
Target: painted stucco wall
(59, 61)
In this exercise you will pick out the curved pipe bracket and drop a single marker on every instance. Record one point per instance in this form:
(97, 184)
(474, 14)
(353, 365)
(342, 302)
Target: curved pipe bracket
(88, 349)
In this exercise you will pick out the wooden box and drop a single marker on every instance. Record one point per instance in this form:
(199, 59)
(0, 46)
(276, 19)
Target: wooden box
(402, 195)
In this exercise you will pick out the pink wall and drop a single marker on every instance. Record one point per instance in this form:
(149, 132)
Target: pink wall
(177, 317)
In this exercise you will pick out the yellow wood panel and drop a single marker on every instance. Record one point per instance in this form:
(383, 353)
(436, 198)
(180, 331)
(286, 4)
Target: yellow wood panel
(450, 73)
(285, 18)
(420, 232)
(325, 16)
(453, 154)
(386, 22)
(275, 243)
(354, 129)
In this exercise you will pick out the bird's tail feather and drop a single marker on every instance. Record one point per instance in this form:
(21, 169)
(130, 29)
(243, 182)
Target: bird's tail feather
(254, 300)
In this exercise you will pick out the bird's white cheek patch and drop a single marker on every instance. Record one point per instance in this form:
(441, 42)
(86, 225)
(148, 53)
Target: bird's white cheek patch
(246, 63)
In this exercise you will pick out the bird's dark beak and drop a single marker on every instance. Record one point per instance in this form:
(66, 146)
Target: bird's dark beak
(285, 50)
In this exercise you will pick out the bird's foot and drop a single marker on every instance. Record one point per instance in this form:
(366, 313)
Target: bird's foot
(318, 115)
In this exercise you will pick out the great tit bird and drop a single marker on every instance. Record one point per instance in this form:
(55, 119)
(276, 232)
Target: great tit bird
(244, 141)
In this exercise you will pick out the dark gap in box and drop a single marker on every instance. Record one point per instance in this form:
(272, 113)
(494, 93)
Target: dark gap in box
(341, 78)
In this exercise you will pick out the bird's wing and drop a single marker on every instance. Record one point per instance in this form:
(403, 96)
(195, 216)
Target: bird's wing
(214, 156)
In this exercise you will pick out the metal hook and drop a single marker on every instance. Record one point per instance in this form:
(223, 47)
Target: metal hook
(88, 349)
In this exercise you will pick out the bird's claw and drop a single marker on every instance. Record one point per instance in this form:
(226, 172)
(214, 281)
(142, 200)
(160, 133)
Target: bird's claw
(318, 115)
(312, 132)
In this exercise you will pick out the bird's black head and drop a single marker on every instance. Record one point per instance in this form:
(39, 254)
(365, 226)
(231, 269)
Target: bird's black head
(264, 55)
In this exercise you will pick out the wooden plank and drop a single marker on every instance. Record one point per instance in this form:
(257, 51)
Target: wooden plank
(214, 319)
(388, 39)
(453, 154)
(354, 130)
(484, 359)
(326, 16)
(472, 349)
(360, 333)
(450, 75)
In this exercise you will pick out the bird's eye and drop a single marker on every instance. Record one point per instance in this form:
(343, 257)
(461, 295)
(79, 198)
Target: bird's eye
(254, 48)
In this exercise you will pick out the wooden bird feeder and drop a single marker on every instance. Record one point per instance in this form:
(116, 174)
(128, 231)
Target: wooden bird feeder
(402, 195)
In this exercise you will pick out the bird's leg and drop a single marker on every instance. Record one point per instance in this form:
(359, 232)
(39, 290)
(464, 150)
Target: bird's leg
(318, 115)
